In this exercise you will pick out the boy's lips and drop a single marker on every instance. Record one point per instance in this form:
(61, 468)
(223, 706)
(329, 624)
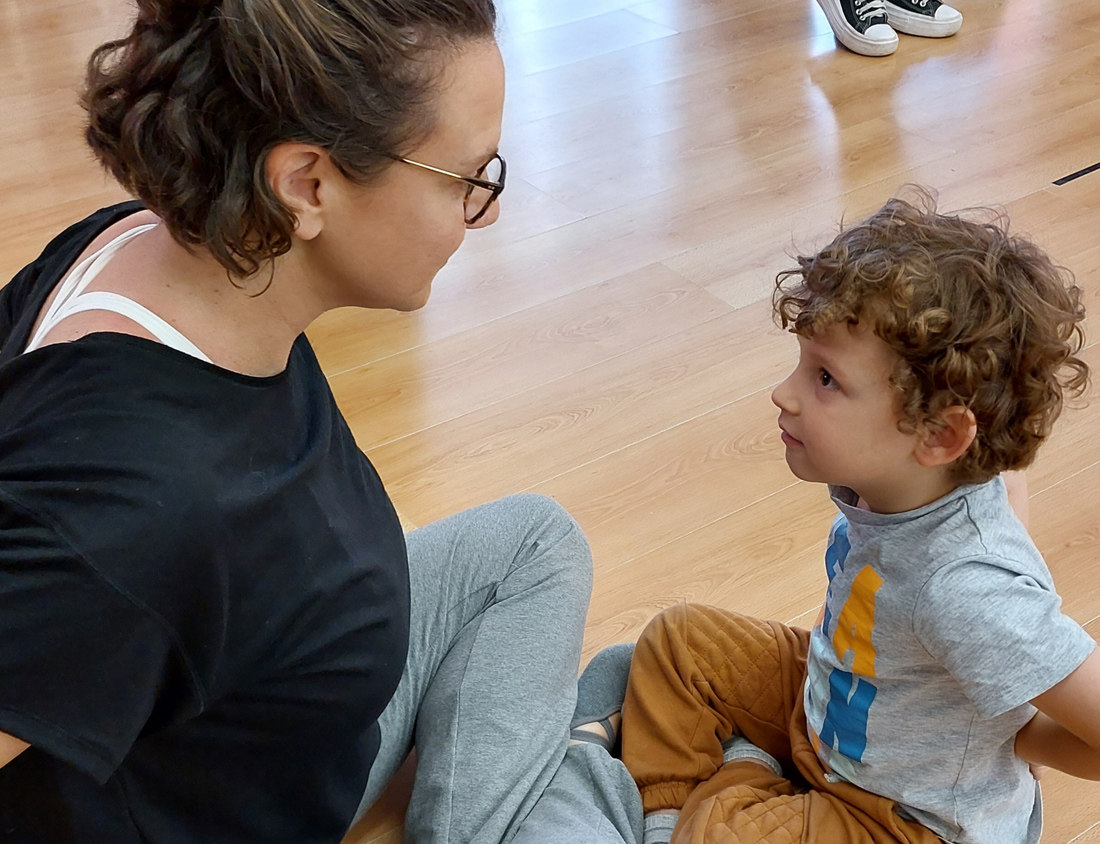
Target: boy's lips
(787, 438)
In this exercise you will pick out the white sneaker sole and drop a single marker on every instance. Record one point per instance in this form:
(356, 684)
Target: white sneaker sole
(850, 38)
(913, 24)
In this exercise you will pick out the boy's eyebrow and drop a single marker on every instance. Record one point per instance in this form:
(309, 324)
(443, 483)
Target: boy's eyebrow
(823, 358)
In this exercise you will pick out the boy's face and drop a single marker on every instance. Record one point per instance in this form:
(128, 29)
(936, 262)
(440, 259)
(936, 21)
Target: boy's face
(839, 415)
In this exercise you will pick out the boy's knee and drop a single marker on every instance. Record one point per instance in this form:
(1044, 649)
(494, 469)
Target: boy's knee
(672, 624)
(695, 626)
(676, 619)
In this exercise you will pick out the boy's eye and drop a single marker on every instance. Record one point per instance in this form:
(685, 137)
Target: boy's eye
(826, 379)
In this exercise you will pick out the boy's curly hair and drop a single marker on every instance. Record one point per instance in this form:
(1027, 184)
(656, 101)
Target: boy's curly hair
(978, 318)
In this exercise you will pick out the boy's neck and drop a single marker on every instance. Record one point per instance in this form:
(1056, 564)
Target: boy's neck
(916, 491)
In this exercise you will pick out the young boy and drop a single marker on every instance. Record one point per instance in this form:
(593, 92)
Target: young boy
(935, 353)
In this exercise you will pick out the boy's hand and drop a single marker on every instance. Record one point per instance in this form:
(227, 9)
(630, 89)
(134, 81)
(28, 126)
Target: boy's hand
(1037, 771)
(1065, 734)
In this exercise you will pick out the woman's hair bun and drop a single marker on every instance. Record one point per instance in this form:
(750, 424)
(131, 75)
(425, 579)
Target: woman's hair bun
(173, 15)
(184, 110)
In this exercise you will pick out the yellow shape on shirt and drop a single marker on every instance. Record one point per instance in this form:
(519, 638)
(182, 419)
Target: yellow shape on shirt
(857, 622)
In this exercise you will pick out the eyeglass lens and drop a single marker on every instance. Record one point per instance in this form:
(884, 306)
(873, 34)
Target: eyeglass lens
(478, 199)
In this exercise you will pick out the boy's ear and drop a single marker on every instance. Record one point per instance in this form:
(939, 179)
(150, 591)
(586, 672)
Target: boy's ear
(948, 438)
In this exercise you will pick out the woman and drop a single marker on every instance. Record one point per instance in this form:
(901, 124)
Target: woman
(211, 626)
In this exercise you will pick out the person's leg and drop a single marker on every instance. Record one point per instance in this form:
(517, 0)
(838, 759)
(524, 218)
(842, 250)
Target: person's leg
(701, 675)
(746, 803)
(760, 808)
(750, 801)
(736, 798)
(499, 598)
(590, 800)
(835, 804)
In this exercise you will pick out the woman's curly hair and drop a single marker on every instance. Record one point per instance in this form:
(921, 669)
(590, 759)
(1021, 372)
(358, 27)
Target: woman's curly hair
(978, 318)
(184, 110)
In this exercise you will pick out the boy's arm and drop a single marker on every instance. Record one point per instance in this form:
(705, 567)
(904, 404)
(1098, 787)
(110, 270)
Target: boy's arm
(1065, 734)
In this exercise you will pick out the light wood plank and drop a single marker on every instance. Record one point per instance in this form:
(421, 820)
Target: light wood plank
(1089, 836)
(546, 49)
(525, 18)
(383, 401)
(764, 560)
(538, 435)
(600, 78)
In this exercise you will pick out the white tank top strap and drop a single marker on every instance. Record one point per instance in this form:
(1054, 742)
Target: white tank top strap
(101, 300)
(78, 280)
(71, 299)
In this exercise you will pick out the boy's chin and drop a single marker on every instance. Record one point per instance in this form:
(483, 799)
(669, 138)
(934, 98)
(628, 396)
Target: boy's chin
(801, 471)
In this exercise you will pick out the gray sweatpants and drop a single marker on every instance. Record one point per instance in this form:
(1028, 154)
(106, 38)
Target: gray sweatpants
(499, 598)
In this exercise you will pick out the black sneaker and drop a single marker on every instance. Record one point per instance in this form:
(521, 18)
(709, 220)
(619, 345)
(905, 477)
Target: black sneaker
(929, 18)
(861, 25)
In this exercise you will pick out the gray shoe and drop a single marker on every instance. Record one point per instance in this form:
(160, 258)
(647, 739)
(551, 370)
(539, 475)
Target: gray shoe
(601, 690)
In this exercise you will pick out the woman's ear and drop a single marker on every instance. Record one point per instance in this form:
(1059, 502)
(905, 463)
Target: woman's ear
(948, 438)
(295, 173)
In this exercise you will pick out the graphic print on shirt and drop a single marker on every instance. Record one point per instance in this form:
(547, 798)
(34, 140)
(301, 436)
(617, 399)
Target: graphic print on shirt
(848, 694)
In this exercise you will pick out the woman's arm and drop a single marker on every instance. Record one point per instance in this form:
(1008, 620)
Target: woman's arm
(1065, 734)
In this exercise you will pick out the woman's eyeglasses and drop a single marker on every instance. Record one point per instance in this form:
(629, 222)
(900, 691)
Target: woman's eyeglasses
(482, 189)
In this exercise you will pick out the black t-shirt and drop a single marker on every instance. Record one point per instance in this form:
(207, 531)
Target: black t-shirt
(203, 590)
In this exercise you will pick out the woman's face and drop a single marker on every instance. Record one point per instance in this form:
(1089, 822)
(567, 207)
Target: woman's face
(383, 243)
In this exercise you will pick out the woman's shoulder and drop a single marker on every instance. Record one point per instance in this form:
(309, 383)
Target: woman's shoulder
(112, 420)
(86, 235)
(22, 297)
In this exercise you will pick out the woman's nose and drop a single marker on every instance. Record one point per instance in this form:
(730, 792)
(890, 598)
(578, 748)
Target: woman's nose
(488, 218)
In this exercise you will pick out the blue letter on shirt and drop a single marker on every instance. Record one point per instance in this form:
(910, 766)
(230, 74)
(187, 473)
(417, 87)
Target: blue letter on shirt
(845, 726)
(835, 555)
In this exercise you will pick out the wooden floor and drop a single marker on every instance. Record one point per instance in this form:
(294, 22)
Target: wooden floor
(609, 343)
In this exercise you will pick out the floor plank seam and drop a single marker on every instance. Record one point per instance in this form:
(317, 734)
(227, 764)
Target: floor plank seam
(1066, 479)
(656, 433)
(1083, 833)
(695, 530)
(565, 294)
(573, 374)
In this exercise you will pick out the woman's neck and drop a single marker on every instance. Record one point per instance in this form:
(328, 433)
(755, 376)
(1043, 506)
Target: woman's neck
(248, 327)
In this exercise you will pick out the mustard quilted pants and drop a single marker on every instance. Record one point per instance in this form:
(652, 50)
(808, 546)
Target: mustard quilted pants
(702, 674)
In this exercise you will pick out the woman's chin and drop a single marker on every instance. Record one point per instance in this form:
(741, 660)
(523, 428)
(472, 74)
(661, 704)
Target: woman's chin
(414, 302)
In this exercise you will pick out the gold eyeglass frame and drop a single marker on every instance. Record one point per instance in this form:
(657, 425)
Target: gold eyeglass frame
(495, 188)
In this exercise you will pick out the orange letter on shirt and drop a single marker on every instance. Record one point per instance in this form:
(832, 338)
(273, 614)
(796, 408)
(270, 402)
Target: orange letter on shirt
(857, 622)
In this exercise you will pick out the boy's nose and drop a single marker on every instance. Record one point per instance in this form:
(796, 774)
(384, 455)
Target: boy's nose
(783, 397)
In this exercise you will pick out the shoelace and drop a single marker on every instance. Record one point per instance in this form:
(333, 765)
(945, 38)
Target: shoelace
(870, 9)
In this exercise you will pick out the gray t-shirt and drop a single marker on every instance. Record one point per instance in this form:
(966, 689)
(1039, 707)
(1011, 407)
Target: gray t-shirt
(941, 624)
